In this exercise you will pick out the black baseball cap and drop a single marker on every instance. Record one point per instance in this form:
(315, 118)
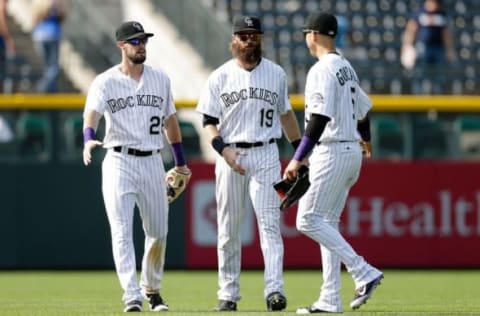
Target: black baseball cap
(247, 24)
(323, 23)
(129, 30)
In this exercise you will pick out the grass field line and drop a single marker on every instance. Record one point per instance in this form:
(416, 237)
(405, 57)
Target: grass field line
(402, 292)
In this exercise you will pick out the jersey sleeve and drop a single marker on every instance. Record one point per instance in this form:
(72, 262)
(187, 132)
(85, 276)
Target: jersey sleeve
(320, 92)
(170, 106)
(363, 104)
(96, 100)
(284, 105)
(208, 102)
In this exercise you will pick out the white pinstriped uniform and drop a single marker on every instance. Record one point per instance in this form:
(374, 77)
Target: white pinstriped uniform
(134, 113)
(332, 89)
(248, 105)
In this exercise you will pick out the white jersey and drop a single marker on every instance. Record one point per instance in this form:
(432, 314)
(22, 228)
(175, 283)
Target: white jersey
(246, 103)
(116, 95)
(332, 89)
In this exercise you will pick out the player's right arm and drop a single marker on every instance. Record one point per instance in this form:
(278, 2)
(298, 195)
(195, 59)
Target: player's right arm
(90, 124)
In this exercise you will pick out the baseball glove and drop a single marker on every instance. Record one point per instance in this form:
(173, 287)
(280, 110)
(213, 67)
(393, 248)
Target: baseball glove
(291, 192)
(176, 183)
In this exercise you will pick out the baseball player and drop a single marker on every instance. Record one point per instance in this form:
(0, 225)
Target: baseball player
(137, 104)
(245, 106)
(337, 131)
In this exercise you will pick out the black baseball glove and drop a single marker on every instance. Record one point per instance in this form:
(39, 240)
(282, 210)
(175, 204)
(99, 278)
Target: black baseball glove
(290, 192)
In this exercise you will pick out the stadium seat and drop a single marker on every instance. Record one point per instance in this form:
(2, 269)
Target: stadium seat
(191, 140)
(388, 137)
(73, 136)
(34, 136)
(8, 144)
(373, 30)
(430, 137)
(469, 129)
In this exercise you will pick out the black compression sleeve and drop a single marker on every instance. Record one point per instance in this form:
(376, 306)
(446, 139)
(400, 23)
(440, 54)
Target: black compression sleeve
(296, 143)
(315, 126)
(218, 144)
(363, 128)
(209, 120)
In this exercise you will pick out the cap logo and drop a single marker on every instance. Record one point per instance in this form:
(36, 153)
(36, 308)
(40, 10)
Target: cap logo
(248, 21)
(137, 26)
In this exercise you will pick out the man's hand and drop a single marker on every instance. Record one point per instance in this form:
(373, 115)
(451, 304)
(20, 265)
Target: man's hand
(87, 150)
(291, 171)
(230, 155)
(366, 149)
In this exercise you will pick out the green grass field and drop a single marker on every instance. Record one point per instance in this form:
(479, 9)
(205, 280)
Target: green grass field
(402, 292)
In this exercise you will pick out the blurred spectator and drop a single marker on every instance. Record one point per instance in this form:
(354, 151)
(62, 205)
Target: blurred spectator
(341, 41)
(48, 16)
(6, 133)
(7, 44)
(427, 43)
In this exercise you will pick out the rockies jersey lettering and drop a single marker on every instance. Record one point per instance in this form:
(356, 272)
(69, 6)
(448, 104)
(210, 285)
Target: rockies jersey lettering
(253, 93)
(345, 74)
(332, 89)
(142, 100)
(133, 111)
(246, 103)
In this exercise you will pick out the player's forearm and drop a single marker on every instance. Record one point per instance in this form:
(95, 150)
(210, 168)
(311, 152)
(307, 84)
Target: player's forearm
(172, 129)
(91, 119)
(212, 131)
(174, 137)
(313, 132)
(290, 126)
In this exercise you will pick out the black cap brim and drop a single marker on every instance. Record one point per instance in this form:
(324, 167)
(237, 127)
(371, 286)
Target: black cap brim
(248, 30)
(138, 35)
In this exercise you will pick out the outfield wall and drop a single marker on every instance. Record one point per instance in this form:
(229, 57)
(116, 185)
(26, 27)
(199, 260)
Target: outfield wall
(402, 214)
(399, 214)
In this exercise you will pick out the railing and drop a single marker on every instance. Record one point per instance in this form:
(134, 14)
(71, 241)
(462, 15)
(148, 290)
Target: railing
(48, 128)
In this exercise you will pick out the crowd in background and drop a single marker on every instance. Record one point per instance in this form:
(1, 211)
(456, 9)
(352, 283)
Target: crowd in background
(427, 50)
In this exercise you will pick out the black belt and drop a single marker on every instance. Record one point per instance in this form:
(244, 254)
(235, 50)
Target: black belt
(339, 141)
(136, 152)
(250, 145)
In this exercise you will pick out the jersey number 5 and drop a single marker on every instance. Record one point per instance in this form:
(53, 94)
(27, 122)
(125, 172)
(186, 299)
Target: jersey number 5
(266, 117)
(352, 90)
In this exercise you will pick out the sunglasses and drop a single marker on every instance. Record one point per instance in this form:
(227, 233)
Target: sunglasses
(253, 36)
(137, 41)
(305, 32)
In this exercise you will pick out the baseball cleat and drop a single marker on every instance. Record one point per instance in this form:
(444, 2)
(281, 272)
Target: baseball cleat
(363, 293)
(133, 306)
(276, 301)
(156, 302)
(226, 306)
(312, 310)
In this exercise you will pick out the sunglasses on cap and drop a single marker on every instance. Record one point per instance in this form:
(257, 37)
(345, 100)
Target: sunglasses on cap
(245, 36)
(137, 41)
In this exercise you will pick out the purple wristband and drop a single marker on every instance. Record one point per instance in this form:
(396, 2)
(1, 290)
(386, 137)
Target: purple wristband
(178, 155)
(88, 134)
(304, 148)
